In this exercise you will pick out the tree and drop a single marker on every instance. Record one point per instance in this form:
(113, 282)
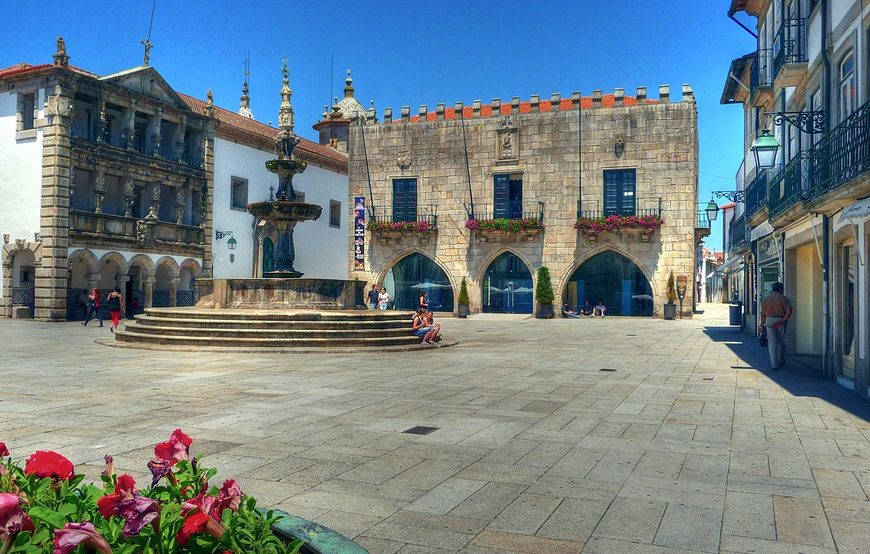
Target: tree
(672, 290)
(544, 289)
(463, 293)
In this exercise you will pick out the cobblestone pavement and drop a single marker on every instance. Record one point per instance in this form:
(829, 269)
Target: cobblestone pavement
(614, 435)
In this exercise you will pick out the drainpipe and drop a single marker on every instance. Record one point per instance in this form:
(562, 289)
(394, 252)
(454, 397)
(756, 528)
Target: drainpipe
(826, 224)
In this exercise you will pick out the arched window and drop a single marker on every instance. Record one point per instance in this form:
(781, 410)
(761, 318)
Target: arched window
(848, 90)
(613, 279)
(507, 286)
(416, 273)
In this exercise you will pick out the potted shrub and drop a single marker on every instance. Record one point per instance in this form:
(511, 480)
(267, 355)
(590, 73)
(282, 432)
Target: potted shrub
(671, 306)
(463, 299)
(544, 295)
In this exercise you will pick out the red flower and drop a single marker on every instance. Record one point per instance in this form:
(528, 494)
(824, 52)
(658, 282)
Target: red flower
(137, 510)
(177, 448)
(3, 450)
(230, 497)
(45, 463)
(193, 525)
(66, 540)
(12, 517)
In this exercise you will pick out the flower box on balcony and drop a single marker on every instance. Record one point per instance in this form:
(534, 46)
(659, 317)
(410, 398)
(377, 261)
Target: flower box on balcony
(644, 226)
(393, 232)
(504, 228)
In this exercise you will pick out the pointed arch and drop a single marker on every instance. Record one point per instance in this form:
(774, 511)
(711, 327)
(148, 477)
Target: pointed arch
(481, 272)
(613, 278)
(507, 284)
(588, 254)
(414, 271)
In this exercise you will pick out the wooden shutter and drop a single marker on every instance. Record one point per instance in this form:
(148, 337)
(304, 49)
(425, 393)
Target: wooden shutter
(619, 192)
(404, 200)
(501, 196)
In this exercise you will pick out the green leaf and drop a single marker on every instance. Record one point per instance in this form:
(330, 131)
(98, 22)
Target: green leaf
(48, 516)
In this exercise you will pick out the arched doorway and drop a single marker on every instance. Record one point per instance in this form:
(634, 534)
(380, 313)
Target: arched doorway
(507, 286)
(413, 274)
(23, 279)
(613, 279)
(112, 266)
(161, 294)
(268, 255)
(186, 294)
(83, 266)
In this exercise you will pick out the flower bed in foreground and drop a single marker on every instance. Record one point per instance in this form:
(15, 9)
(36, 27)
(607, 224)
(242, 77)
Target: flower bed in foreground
(46, 508)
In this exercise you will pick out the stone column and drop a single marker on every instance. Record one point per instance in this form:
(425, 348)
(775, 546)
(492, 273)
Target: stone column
(51, 274)
(7, 286)
(179, 138)
(99, 191)
(173, 292)
(155, 197)
(155, 136)
(208, 197)
(130, 129)
(129, 196)
(148, 285)
(258, 256)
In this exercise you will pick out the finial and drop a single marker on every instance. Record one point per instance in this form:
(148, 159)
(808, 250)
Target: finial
(209, 105)
(348, 85)
(245, 107)
(60, 57)
(285, 113)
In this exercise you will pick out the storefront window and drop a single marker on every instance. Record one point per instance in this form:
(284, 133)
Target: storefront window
(507, 286)
(848, 280)
(614, 280)
(414, 274)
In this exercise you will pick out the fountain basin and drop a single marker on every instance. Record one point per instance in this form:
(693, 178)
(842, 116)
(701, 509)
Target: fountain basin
(284, 210)
(280, 294)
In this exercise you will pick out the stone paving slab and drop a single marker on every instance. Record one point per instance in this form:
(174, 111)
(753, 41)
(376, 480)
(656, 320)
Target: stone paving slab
(690, 445)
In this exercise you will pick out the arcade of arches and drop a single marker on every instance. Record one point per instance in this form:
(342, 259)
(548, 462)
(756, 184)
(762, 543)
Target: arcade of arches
(507, 285)
(145, 281)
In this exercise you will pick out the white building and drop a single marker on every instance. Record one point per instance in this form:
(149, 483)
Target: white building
(118, 180)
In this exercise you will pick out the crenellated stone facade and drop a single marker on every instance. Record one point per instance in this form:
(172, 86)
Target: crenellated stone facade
(560, 153)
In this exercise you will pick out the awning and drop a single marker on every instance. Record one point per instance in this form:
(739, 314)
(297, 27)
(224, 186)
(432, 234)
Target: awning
(733, 264)
(855, 213)
(761, 231)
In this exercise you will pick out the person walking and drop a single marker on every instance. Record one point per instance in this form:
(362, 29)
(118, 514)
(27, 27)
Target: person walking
(93, 307)
(424, 301)
(373, 297)
(775, 313)
(383, 299)
(116, 301)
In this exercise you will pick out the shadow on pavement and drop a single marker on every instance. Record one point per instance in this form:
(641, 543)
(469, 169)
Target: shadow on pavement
(796, 378)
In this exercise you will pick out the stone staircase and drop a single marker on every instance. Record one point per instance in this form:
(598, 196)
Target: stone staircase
(197, 328)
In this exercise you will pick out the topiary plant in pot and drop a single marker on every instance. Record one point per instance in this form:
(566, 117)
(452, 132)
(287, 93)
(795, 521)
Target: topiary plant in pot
(463, 300)
(544, 295)
(671, 306)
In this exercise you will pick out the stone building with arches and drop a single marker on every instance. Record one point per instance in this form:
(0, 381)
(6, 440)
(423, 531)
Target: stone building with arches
(602, 190)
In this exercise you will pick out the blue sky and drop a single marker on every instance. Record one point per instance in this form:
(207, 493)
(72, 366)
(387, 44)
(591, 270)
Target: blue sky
(412, 53)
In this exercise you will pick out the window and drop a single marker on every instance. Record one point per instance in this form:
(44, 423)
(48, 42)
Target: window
(240, 193)
(508, 196)
(848, 93)
(815, 106)
(28, 121)
(619, 188)
(404, 200)
(334, 213)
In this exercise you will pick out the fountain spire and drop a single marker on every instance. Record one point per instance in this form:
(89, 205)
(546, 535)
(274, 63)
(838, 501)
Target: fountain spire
(285, 113)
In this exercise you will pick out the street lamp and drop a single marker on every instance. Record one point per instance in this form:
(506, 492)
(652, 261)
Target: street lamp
(764, 148)
(232, 243)
(712, 210)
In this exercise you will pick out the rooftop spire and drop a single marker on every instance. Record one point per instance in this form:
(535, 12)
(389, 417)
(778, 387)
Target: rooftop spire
(285, 113)
(348, 85)
(245, 108)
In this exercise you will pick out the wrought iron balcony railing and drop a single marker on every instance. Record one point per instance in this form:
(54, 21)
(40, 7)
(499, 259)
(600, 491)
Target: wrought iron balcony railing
(761, 74)
(702, 222)
(425, 214)
(790, 44)
(510, 210)
(738, 237)
(643, 206)
(756, 193)
(84, 133)
(842, 154)
(788, 187)
(139, 144)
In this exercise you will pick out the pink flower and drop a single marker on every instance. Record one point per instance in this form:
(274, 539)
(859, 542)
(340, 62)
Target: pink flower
(3, 450)
(12, 517)
(66, 540)
(177, 448)
(230, 496)
(127, 503)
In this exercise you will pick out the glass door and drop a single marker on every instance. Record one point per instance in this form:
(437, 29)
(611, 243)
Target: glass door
(848, 308)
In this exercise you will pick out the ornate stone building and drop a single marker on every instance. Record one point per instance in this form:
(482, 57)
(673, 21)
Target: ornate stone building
(491, 192)
(113, 180)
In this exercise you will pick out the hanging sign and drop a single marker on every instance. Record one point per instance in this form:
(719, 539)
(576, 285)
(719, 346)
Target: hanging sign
(359, 232)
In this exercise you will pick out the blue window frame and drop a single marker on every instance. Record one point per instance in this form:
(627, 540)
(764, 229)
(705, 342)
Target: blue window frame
(619, 189)
(508, 196)
(404, 200)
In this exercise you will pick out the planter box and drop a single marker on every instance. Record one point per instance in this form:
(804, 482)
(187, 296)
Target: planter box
(397, 237)
(670, 311)
(464, 310)
(528, 235)
(317, 538)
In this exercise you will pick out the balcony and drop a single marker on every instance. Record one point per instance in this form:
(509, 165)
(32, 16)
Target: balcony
(761, 77)
(787, 189)
(702, 226)
(512, 221)
(388, 227)
(643, 207)
(138, 144)
(642, 218)
(756, 198)
(121, 230)
(790, 53)
(738, 236)
(839, 158)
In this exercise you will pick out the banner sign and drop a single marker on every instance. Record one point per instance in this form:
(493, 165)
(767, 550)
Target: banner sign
(359, 232)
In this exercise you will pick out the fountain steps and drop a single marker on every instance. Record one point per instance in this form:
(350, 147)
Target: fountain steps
(190, 328)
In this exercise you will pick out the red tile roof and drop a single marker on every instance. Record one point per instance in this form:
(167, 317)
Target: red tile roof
(20, 68)
(486, 110)
(255, 127)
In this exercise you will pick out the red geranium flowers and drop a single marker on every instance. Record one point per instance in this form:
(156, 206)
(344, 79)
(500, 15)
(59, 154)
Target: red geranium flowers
(46, 463)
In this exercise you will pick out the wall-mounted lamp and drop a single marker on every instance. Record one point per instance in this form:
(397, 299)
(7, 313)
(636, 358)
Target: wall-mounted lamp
(231, 243)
